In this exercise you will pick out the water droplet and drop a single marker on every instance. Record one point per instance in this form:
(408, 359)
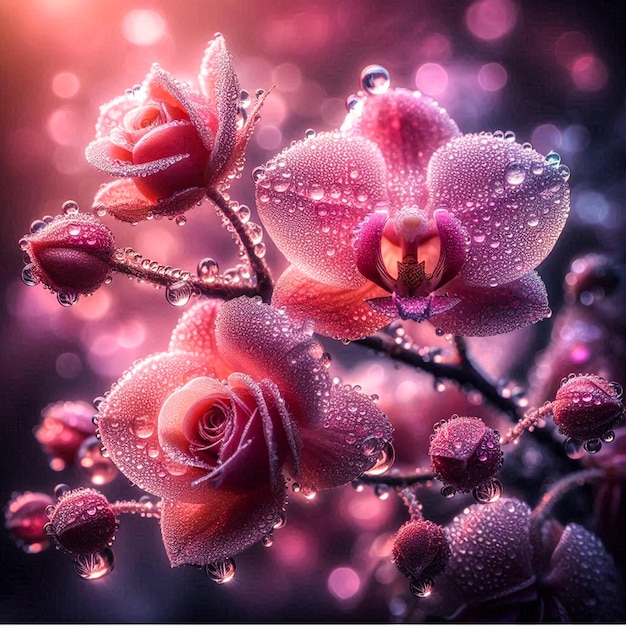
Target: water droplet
(179, 293)
(351, 101)
(608, 437)
(221, 572)
(593, 445)
(537, 169)
(509, 135)
(384, 461)
(573, 448)
(296, 487)
(98, 468)
(268, 540)
(208, 269)
(37, 225)
(375, 80)
(281, 521)
(553, 159)
(448, 491)
(28, 278)
(309, 133)
(533, 220)
(490, 491)
(515, 174)
(181, 220)
(67, 299)
(564, 171)
(243, 213)
(258, 173)
(382, 491)
(70, 207)
(94, 566)
(259, 250)
(421, 588)
(245, 99)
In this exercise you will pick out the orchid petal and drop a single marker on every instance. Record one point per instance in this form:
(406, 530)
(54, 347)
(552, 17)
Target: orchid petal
(128, 425)
(486, 311)
(312, 197)
(338, 313)
(353, 436)
(257, 339)
(125, 202)
(453, 247)
(369, 257)
(224, 525)
(512, 203)
(420, 309)
(408, 127)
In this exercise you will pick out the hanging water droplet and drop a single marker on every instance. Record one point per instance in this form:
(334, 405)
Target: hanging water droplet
(574, 448)
(243, 213)
(255, 232)
(351, 101)
(60, 490)
(37, 225)
(258, 173)
(564, 171)
(421, 588)
(259, 250)
(593, 446)
(28, 278)
(375, 80)
(515, 174)
(67, 299)
(94, 566)
(245, 99)
(179, 293)
(448, 491)
(608, 437)
(221, 572)
(281, 521)
(490, 491)
(181, 220)
(208, 269)
(553, 159)
(386, 457)
(99, 469)
(268, 540)
(70, 207)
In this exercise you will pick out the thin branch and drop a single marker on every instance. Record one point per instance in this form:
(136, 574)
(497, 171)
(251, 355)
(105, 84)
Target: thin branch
(396, 480)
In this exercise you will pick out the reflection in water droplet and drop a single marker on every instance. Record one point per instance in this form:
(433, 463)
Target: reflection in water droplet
(553, 159)
(448, 491)
(67, 299)
(385, 459)
(421, 588)
(375, 80)
(208, 269)
(488, 492)
(60, 490)
(574, 448)
(70, 207)
(179, 293)
(100, 469)
(309, 133)
(94, 566)
(28, 278)
(221, 572)
(608, 436)
(351, 101)
(515, 174)
(593, 445)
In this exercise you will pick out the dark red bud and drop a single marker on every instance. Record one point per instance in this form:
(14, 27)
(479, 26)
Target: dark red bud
(465, 453)
(71, 254)
(83, 521)
(587, 406)
(25, 518)
(420, 549)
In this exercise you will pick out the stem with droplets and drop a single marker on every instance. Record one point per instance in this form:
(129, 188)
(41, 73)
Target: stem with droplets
(265, 284)
(398, 480)
(132, 507)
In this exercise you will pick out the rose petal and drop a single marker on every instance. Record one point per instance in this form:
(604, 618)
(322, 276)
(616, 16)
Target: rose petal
(112, 114)
(312, 197)
(338, 313)
(352, 437)
(128, 425)
(486, 311)
(221, 527)
(262, 341)
(408, 128)
(219, 84)
(513, 215)
(125, 202)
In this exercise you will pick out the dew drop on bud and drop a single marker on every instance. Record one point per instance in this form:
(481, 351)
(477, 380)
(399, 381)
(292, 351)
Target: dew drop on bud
(28, 278)
(309, 133)
(268, 540)
(608, 436)
(37, 225)
(421, 588)
(60, 490)
(67, 299)
(221, 572)
(208, 269)
(384, 461)
(281, 521)
(375, 80)
(515, 174)
(553, 159)
(70, 207)
(573, 448)
(181, 220)
(179, 293)
(351, 101)
(592, 445)
(245, 99)
(448, 491)
(94, 566)
(258, 173)
(490, 491)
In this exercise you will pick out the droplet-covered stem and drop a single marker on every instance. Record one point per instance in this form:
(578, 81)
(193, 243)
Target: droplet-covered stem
(134, 507)
(398, 480)
(528, 421)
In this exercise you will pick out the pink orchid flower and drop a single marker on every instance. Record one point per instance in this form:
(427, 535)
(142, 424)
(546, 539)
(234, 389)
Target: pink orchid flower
(241, 399)
(399, 215)
(169, 142)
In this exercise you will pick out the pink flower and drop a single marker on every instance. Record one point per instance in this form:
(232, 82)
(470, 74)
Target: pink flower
(25, 517)
(169, 142)
(398, 215)
(241, 399)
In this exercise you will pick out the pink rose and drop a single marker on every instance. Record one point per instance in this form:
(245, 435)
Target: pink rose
(241, 400)
(169, 142)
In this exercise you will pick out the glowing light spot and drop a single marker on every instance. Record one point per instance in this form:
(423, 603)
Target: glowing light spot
(546, 137)
(575, 138)
(333, 111)
(589, 73)
(492, 77)
(143, 27)
(343, 583)
(95, 307)
(65, 84)
(569, 46)
(432, 79)
(63, 126)
(68, 365)
(591, 207)
(131, 334)
(268, 137)
(491, 19)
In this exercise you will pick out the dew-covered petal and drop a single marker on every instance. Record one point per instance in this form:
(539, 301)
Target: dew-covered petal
(408, 127)
(112, 114)
(221, 527)
(338, 313)
(219, 84)
(349, 442)
(128, 425)
(512, 203)
(195, 333)
(585, 579)
(265, 343)
(484, 311)
(312, 197)
(125, 202)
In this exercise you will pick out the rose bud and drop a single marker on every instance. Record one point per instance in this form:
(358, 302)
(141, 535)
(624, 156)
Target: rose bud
(71, 254)
(83, 521)
(587, 407)
(63, 429)
(25, 518)
(420, 549)
(464, 452)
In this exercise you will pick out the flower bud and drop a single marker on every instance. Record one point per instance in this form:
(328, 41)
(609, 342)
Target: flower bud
(70, 254)
(83, 521)
(420, 549)
(63, 428)
(464, 452)
(25, 518)
(587, 406)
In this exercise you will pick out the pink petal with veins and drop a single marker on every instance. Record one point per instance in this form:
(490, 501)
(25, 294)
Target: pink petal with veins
(221, 527)
(511, 202)
(125, 202)
(128, 425)
(484, 311)
(338, 313)
(312, 197)
(408, 127)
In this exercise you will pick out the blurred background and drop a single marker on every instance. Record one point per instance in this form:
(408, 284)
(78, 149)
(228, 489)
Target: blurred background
(551, 72)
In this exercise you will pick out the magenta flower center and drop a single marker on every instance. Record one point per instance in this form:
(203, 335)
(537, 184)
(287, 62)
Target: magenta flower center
(206, 425)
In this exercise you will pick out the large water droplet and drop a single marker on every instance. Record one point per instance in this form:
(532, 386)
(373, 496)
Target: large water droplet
(67, 299)
(375, 80)
(574, 448)
(28, 278)
(351, 101)
(98, 468)
(421, 588)
(208, 269)
(70, 207)
(221, 572)
(448, 491)
(384, 461)
(94, 566)
(553, 159)
(490, 491)
(515, 174)
(593, 445)
(179, 293)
